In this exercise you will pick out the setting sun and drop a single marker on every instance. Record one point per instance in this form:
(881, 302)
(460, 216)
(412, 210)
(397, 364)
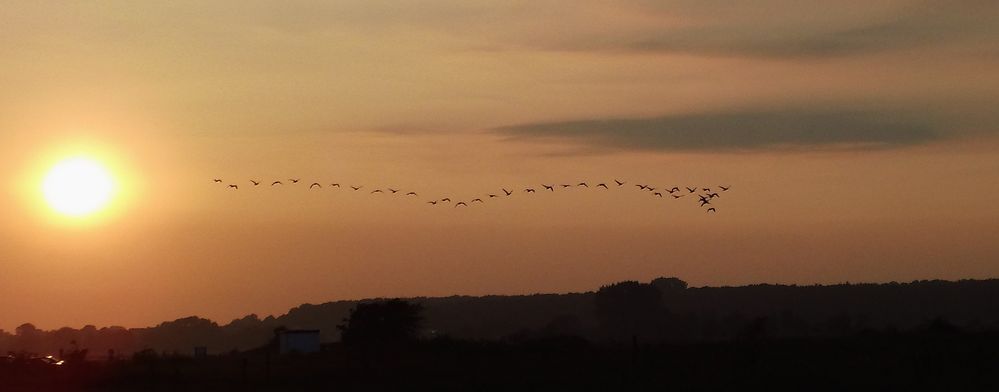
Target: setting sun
(78, 186)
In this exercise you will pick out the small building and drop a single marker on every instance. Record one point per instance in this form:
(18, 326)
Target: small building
(302, 341)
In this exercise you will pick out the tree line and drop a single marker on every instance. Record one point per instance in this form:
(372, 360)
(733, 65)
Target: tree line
(663, 310)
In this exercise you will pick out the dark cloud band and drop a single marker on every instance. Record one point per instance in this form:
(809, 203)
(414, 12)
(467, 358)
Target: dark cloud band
(740, 130)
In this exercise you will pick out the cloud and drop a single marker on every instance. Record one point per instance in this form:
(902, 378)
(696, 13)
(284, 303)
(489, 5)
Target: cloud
(741, 130)
(791, 32)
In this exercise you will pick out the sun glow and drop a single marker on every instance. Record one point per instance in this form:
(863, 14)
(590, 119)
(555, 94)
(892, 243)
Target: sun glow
(78, 187)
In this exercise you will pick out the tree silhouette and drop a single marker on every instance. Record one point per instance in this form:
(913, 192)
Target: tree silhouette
(629, 308)
(669, 285)
(384, 322)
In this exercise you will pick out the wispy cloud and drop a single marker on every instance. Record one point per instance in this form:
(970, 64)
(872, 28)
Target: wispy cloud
(783, 35)
(740, 130)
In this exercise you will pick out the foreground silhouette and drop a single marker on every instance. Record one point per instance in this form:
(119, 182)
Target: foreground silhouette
(628, 335)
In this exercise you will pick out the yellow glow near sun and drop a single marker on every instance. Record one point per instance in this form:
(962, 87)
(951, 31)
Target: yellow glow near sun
(78, 186)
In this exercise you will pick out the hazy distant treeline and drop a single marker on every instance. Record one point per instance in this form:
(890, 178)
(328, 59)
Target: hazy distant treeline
(662, 310)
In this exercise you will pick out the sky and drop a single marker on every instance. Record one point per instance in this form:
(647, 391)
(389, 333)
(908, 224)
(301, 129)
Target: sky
(858, 139)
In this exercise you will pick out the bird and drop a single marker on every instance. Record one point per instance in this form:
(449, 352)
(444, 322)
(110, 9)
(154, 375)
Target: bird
(566, 185)
(549, 187)
(411, 194)
(315, 184)
(671, 190)
(619, 183)
(691, 190)
(640, 186)
(356, 188)
(658, 194)
(446, 200)
(393, 190)
(705, 201)
(294, 180)
(508, 193)
(602, 185)
(277, 183)
(434, 202)
(376, 191)
(712, 209)
(583, 184)
(255, 183)
(674, 189)
(217, 180)
(492, 195)
(678, 196)
(460, 203)
(724, 188)
(650, 188)
(713, 195)
(335, 184)
(234, 186)
(706, 189)
(477, 200)
(529, 190)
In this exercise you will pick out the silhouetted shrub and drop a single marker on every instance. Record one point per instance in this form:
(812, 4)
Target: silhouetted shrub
(392, 321)
(669, 285)
(629, 308)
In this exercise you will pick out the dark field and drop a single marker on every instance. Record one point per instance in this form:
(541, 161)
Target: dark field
(939, 358)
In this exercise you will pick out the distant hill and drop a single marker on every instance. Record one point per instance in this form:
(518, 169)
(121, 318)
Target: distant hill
(662, 310)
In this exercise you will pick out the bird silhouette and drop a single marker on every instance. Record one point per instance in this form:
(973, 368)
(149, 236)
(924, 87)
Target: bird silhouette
(705, 195)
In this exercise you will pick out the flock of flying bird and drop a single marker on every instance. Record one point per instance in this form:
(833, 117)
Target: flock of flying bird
(704, 195)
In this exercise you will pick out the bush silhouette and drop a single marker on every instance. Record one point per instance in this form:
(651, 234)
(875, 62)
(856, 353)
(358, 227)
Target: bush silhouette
(629, 308)
(385, 322)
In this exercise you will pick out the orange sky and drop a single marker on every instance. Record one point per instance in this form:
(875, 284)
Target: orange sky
(859, 140)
